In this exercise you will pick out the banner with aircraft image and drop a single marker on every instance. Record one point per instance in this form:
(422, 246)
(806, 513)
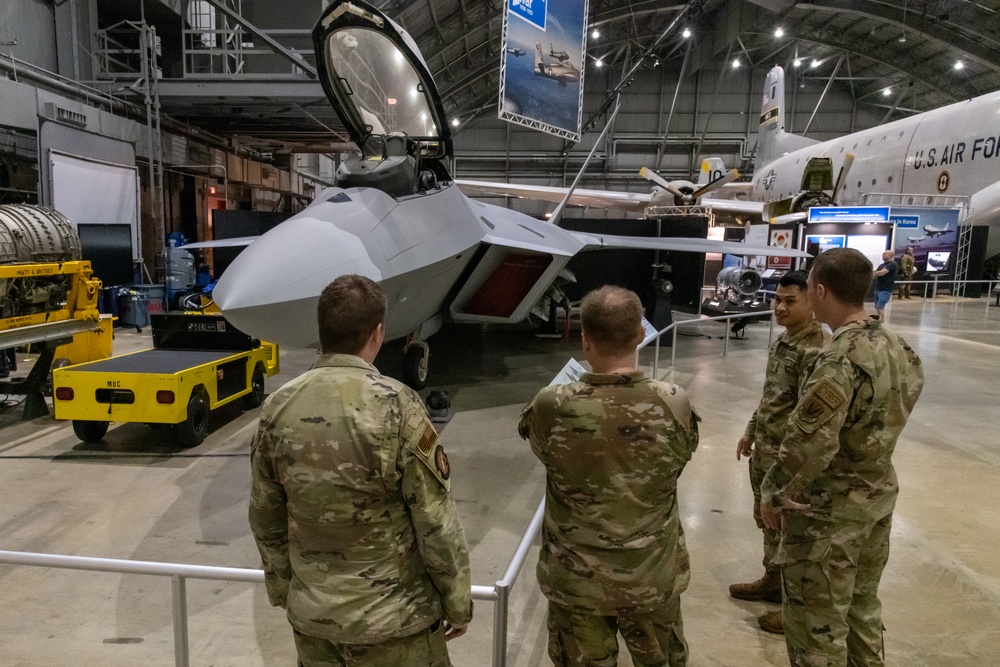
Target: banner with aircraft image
(542, 64)
(932, 232)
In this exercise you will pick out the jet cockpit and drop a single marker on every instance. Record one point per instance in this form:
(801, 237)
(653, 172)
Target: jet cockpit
(384, 94)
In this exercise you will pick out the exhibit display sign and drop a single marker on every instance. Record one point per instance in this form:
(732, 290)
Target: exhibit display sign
(542, 63)
(932, 232)
(849, 214)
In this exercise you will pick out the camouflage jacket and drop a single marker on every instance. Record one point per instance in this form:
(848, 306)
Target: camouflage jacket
(350, 507)
(613, 447)
(837, 454)
(787, 362)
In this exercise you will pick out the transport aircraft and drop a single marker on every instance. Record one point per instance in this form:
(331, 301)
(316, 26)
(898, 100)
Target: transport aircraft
(928, 159)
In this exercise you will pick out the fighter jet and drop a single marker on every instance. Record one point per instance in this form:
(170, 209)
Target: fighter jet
(562, 70)
(561, 56)
(514, 51)
(934, 232)
(397, 217)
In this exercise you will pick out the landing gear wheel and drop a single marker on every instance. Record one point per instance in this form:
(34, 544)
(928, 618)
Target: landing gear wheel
(415, 366)
(256, 395)
(89, 431)
(192, 431)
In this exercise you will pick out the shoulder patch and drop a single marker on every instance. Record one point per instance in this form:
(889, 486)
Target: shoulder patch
(828, 392)
(427, 441)
(812, 409)
(441, 463)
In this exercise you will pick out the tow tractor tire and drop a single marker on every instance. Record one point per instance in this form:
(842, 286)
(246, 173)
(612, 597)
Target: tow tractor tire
(256, 395)
(89, 431)
(415, 367)
(192, 431)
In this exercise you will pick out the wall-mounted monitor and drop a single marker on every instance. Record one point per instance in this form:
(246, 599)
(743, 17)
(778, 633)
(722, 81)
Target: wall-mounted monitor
(937, 261)
(824, 242)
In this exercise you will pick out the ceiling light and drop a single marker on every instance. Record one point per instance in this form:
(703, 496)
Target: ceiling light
(959, 64)
(596, 33)
(686, 33)
(736, 63)
(454, 121)
(599, 63)
(797, 62)
(779, 32)
(814, 64)
(887, 92)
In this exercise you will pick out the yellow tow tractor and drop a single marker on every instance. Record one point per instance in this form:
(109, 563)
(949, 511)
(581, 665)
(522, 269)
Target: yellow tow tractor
(198, 362)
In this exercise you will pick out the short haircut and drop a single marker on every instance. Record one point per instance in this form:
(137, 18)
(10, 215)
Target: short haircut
(846, 273)
(795, 279)
(611, 318)
(349, 310)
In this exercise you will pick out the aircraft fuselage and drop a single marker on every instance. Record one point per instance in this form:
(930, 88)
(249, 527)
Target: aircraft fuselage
(954, 150)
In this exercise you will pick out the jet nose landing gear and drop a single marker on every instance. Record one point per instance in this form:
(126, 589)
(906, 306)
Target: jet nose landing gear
(416, 354)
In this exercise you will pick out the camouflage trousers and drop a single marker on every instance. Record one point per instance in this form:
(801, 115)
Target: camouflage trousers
(831, 572)
(772, 538)
(654, 639)
(423, 649)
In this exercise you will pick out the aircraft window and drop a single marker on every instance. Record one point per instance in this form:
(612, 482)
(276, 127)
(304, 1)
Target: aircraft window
(889, 179)
(883, 140)
(900, 134)
(855, 147)
(859, 184)
(869, 143)
(873, 181)
(841, 149)
(383, 85)
(910, 200)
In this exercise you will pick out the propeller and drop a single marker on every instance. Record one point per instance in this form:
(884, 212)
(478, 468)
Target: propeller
(653, 177)
(728, 177)
(682, 198)
(845, 168)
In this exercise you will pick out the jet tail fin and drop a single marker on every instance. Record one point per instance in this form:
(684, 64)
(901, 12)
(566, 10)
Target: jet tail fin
(773, 141)
(712, 168)
(539, 63)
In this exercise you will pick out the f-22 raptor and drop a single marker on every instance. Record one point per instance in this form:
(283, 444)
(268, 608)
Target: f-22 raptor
(397, 217)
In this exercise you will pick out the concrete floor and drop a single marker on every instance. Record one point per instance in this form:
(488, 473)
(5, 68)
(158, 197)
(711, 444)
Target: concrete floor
(136, 496)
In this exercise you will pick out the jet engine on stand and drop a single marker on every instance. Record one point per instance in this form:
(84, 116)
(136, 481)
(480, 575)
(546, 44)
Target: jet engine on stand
(47, 294)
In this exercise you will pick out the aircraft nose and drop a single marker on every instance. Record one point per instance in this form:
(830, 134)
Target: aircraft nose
(270, 290)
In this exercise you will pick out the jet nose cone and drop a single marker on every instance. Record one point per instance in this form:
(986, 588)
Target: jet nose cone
(270, 290)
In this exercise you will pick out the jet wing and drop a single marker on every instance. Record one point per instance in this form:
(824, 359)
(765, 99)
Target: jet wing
(624, 201)
(222, 243)
(599, 242)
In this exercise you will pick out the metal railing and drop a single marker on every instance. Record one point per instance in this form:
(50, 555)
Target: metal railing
(498, 593)
(655, 338)
(934, 284)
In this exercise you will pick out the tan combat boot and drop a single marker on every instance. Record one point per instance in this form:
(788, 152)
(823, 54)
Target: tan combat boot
(767, 588)
(771, 622)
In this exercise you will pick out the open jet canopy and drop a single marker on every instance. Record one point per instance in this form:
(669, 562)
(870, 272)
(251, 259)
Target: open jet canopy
(376, 80)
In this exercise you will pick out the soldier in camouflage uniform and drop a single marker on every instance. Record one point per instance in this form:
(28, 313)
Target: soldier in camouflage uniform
(833, 488)
(613, 444)
(350, 504)
(787, 361)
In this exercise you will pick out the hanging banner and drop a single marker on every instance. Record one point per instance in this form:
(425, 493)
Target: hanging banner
(541, 68)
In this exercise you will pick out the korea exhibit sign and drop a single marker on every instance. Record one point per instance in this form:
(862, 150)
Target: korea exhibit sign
(542, 64)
